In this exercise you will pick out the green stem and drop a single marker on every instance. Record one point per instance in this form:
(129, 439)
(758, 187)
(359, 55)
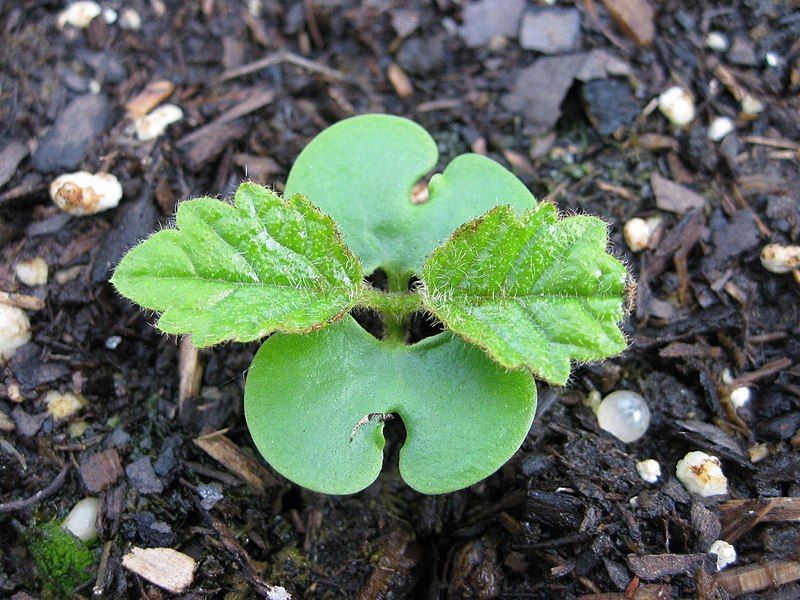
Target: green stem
(395, 306)
(399, 304)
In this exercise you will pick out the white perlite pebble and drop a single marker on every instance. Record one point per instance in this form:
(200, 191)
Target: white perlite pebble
(677, 105)
(636, 234)
(15, 330)
(82, 520)
(78, 14)
(751, 106)
(700, 474)
(155, 123)
(130, 19)
(719, 128)
(32, 272)
(83, 193)
(716, 41)
(649, 470)
(740, 396)
(62, 405)
(725, 553)
(109, 15)
(780, 259)
(624, 414)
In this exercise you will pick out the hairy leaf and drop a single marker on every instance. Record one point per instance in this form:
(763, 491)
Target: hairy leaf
(533, 291)
(239, 272)
(361, 171)
(313, 405)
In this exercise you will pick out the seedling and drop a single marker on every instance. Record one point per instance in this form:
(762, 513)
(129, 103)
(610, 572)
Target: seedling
(520, 291)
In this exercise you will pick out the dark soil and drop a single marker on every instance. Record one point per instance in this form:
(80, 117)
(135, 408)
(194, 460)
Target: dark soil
(556, 521)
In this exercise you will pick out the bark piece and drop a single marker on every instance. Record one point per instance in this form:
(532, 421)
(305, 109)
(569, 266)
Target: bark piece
(10, 157)
(487, 19)
(550, 30)
(650, 567)
(65, 145)
(100, 470)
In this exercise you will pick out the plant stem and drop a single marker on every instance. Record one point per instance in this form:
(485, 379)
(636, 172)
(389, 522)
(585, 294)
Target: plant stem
(399, 304)
(395, 306)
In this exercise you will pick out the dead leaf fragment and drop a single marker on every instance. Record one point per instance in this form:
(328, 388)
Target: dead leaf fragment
(674, 197)
(164, 567)
(634, 17)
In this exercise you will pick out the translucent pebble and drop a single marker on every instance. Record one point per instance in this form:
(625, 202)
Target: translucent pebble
(624, 414)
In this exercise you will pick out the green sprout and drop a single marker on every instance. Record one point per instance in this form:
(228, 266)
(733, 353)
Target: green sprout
(520, 292)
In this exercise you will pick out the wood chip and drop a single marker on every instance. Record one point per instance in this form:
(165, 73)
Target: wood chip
(757, 577)
(740, 516)
(100, 470)
(223, 450)
(151, 96)
(674, 197)
(190, 372)
(164, 567)
(643, 592)
(400, 81)
(634, 17)
(650, 567)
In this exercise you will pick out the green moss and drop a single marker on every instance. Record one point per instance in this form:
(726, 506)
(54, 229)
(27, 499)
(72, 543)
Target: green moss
(291, 567)
(63, 560)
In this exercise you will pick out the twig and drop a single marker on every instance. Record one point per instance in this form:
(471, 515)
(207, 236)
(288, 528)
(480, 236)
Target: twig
(46, 492)
(283, 56)
(21, 301)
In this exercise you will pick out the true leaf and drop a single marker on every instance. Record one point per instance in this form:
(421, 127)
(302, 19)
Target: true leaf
(239, 272)
(305, 396)
(361, 171)
(533, 291)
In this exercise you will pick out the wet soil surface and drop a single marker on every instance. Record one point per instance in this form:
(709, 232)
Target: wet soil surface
(573, 115)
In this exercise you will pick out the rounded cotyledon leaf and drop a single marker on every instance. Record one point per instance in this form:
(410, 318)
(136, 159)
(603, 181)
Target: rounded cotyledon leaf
(361, 171)
(310, 403)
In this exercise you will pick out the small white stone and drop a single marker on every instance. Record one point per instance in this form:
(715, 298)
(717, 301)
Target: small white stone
(277, 592)
(130, 19)
(15, 330)
(725, 553)
(82, 520)
(624, 414)
(649, 470)
(772, 59)
(634, 502)
(716, 41)
(719, 128)
(32, 272)
(95, 87)
(113, 341)
(700, 473)
(62, 405)
(155, 123)
(677, 105)
(751, 106)
(740, 396)
(780, 259)
(727, 376)
(78, 14)
(637, 234)
(84, 193)
(109, 15)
